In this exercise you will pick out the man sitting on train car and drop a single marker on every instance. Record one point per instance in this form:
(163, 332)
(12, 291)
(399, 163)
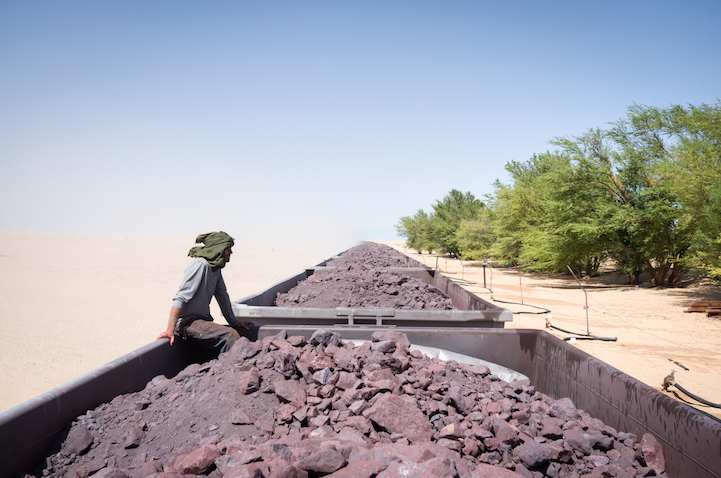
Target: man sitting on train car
(190, 312)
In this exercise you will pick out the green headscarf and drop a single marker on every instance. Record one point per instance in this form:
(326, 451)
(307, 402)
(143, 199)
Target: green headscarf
(215, 245)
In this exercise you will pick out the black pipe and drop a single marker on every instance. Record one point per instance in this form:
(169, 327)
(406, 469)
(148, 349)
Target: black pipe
(543, 311)
(696, 397)
(581, 336)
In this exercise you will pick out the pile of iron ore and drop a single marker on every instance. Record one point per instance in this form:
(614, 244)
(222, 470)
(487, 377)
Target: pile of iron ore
(291, 407)
(360, 277)
(373, 255)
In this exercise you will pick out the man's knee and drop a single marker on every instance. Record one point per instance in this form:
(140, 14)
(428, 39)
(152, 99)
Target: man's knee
(213, 336)
(231, 337)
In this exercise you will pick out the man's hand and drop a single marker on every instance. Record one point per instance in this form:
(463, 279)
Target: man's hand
(244, 324)
(170, 330)
(167, 335)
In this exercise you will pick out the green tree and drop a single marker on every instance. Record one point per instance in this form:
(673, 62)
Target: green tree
(672, 166)
(518, 211)
(475, 236)
(416, 230)
(644, 194)
(447, 216)
(689, 142)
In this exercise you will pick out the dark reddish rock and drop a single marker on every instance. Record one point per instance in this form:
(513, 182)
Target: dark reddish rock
(78, 441)
(534, 455)
(134, 437)
(324, 461)
(359, 469)
(290, 391)
(400, 415)
(487, 471)
(288, 471)
(352, 284)
(577, 441)
(652, 453)
(198, 461)
(90, 467)
(249, 381)
(110, 472)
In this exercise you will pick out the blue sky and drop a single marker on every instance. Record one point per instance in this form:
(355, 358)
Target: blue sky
(300, 118)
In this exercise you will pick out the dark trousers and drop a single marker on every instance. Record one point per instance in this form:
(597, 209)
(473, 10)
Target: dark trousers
(216, 337)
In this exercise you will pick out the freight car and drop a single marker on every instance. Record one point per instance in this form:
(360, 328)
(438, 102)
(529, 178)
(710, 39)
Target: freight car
(691, 440)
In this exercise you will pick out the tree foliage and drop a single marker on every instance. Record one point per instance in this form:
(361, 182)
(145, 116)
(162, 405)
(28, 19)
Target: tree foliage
(643, 195)
(475, 236)
(449, 212)
(417, 231)
(437, 231)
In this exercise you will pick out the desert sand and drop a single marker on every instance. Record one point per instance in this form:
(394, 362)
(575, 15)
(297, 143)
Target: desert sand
(71, 304)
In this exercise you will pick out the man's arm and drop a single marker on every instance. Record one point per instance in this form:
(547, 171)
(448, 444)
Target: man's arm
(172, 320)
(223, 299)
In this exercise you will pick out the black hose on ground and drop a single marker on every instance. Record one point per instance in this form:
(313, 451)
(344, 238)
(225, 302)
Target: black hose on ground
(670, 380)
(543, 310)
(579, 336)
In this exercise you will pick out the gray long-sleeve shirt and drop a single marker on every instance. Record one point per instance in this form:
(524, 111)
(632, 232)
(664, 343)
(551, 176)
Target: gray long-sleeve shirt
(199, 286)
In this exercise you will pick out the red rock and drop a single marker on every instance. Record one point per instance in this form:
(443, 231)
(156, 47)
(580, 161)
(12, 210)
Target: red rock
(251, 470)
(326, 460)
(577, 441)
(436, 467)
(134, 437)
(504, 432)
(249, 381)
(652, 453)
(399, 338)
(198, 461)
(533, 454)
(400, 415)
(147, 469)
(111, 472)
(290, 391)
(289, 471)
(384, 347)
(359, 469)
(452, 431)
(90, 467)
(564, 408)
(319, 363)
(489, 471)
(239, 417)
(78, 441)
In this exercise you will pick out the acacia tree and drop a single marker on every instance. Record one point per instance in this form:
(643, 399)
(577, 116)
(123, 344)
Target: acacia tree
(475, 236)
(674, 155)
(416, 230)
(448, 213)
(609, 204)
(688, 143)
(518, 212)
(646, 194)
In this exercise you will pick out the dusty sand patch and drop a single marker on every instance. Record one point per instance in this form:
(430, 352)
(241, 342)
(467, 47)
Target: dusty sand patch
(649, 323)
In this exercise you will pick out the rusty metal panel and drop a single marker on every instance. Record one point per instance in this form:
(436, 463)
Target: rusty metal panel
(28, 431)
(691, 440)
